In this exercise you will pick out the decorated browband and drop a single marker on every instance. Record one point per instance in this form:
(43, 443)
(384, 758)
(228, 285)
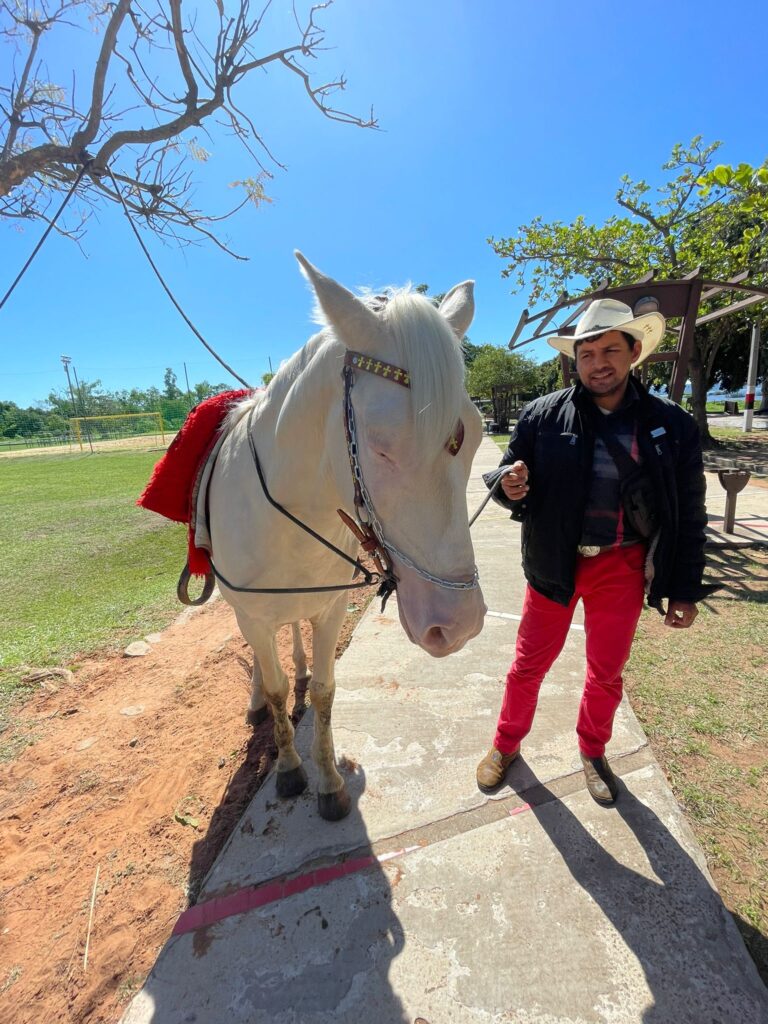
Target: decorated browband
(394, 373)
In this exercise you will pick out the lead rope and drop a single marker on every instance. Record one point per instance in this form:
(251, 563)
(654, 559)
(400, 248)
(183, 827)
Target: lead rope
(490, 494)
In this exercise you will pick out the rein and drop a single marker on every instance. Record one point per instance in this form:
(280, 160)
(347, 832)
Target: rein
(386, 580)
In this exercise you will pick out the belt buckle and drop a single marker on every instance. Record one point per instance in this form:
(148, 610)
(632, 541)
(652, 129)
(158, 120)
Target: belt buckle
(588, 550)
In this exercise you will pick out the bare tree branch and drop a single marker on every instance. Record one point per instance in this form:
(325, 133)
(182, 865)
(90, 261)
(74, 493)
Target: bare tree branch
(45, 140)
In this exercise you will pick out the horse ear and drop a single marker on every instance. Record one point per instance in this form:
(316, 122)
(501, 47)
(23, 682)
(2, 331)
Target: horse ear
(458, 307)
(355, 324)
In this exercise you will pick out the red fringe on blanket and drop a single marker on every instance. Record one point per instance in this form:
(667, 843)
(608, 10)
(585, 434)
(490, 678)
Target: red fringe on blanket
(172, 485)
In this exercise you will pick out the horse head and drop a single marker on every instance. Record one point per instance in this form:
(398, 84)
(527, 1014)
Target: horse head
(415, 434)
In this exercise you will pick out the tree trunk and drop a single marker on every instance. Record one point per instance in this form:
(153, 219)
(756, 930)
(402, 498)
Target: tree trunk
(763, 410)
(699, 398)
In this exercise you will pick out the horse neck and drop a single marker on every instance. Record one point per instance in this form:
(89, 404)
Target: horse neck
(300, 428)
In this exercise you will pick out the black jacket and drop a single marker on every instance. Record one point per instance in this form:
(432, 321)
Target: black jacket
(555, 440)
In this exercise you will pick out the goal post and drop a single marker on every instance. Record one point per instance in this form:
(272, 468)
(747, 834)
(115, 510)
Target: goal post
(111, 431)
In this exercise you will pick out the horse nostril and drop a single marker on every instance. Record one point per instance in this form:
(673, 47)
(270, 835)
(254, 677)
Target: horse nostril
(437, 639)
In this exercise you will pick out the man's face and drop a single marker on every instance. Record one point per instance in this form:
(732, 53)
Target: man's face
(603, 363)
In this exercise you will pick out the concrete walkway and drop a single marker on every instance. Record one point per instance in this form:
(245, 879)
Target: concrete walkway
(435, 904)
(751, 520)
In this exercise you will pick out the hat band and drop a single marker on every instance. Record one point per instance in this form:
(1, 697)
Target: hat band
(608, 327)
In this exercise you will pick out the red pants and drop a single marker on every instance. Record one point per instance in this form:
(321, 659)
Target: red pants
(611, 585)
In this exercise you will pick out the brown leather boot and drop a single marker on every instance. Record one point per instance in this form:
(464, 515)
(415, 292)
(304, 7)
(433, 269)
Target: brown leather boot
(601, 782)
(493, 768)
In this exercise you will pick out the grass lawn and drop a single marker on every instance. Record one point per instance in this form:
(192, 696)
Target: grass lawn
(82, 566)
(701, 696)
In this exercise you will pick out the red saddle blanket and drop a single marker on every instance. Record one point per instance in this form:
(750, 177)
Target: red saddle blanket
(171, 488)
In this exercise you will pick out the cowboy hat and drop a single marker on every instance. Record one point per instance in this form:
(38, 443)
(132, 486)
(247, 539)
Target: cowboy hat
(605, 315)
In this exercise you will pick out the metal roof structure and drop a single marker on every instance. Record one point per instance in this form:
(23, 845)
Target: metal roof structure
(674, 299)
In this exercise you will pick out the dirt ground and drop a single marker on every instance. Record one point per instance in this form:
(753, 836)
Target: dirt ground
(138, 768)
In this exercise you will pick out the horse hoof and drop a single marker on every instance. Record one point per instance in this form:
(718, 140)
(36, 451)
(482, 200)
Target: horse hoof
(291, 783)
(254, 718)
(334, 806)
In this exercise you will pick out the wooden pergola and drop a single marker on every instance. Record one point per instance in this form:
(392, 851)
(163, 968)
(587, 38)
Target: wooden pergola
(680, 298)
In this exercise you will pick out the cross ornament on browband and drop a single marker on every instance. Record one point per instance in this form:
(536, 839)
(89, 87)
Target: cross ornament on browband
(399, 376)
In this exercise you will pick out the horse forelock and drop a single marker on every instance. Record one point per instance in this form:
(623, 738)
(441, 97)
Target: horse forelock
(426, 346)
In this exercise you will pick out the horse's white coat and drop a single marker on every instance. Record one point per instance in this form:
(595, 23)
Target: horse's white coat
(417, 488)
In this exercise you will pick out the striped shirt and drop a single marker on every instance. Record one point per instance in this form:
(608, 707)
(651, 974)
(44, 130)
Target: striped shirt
(604, 523)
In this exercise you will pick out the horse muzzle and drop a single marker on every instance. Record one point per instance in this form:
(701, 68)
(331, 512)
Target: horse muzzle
(438, 620)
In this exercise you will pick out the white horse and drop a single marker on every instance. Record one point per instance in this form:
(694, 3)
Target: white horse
(395, 452)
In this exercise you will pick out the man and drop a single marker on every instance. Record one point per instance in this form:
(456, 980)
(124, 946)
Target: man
(608, 483)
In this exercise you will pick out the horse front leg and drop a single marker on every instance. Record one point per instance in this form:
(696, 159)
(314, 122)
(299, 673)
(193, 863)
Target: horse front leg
(333, 800)
(291, 777)
(257, 708)
(299, 654)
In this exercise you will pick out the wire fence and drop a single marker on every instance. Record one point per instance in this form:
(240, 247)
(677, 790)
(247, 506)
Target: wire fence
(10, 444)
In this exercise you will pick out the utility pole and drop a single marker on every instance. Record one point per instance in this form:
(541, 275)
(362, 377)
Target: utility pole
(66, 360)
(189, 393)
(749, 402)
(85, 411)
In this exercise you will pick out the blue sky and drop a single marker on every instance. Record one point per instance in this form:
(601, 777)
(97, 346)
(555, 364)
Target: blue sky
(491, 112)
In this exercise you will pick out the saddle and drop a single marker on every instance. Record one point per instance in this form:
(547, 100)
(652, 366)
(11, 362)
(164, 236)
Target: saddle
(176, 480)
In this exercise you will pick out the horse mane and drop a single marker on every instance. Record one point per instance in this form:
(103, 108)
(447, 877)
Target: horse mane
(423, 343)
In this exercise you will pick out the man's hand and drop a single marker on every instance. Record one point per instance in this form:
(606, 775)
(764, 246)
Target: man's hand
(680, 614)
(514, 483)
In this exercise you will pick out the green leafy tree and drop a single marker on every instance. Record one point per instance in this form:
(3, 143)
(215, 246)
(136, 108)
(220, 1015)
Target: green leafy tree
(93, 400)
(692, 219)
(205, 390)
(493, 365)
(550, 376)
(171, 389)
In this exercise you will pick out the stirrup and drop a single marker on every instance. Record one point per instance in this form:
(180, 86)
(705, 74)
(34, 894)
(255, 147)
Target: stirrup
(182, 587)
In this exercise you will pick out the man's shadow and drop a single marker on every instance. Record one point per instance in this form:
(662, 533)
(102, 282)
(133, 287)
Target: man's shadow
(320, 954)
(675, 924)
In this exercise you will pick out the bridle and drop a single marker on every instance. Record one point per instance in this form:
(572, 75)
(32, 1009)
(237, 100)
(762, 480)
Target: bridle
(368, 529)
(368, 521)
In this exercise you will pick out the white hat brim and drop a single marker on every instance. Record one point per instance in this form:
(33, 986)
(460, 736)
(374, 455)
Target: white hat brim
(649, 329)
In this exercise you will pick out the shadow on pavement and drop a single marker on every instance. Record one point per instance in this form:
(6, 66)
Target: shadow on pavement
(658, 918)
(259, 756)
(757, 944)
(322, 954)
(742, 573)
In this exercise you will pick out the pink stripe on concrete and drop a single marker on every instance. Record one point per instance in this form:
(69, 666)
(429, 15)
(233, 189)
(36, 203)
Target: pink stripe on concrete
(519, 810)
(203, 915)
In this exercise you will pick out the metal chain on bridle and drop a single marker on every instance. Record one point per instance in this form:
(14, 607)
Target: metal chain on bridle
(366, 513)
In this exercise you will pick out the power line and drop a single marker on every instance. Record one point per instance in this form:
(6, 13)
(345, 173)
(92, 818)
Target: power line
(168, 291)
(47, 232)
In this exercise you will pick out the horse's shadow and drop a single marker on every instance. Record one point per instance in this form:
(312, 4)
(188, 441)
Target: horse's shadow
(322, 954)
(663, 920)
